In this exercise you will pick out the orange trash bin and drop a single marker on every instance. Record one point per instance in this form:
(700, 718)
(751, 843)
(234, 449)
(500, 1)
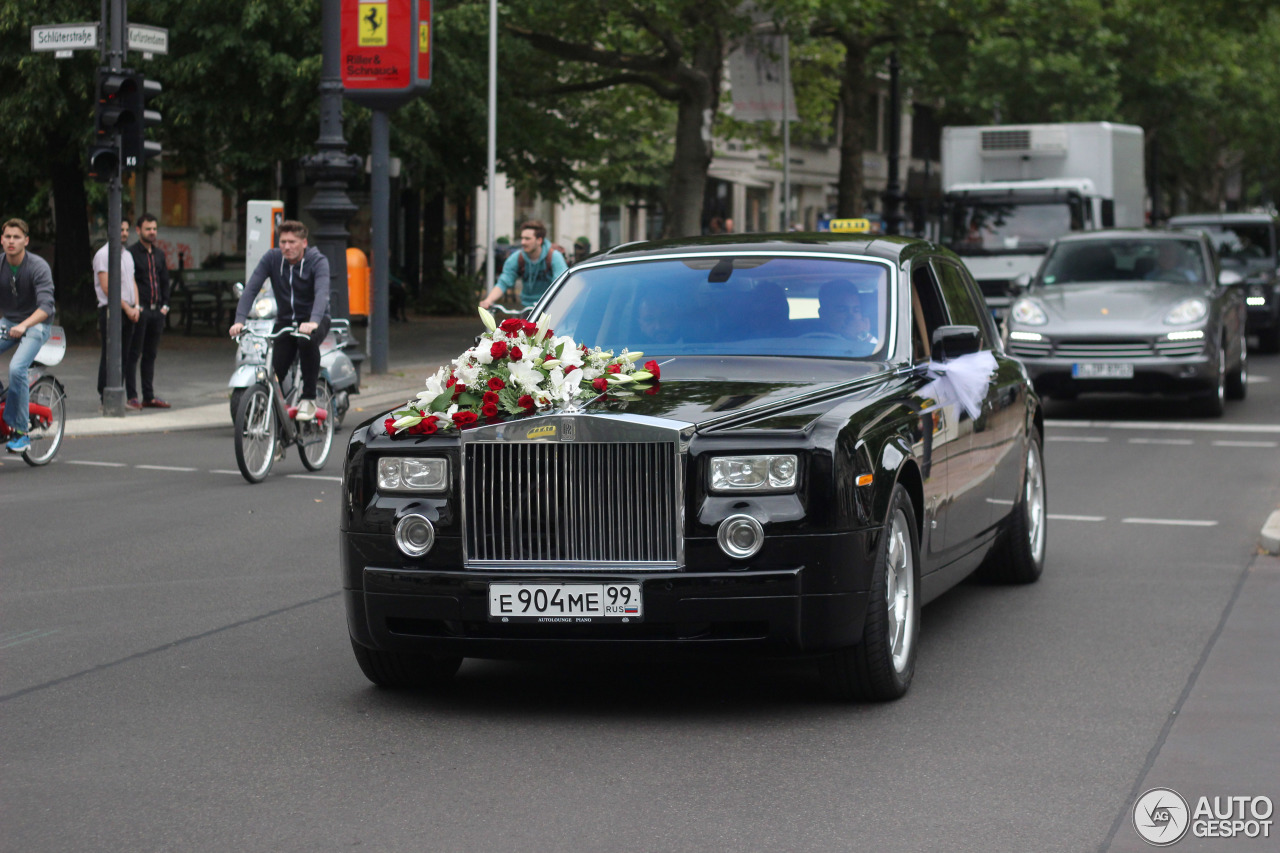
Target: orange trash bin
(358, 293)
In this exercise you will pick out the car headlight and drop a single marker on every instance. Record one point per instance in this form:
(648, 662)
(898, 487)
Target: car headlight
(736, 474)
(1028, 313)
(1187, 311)
(413, 474)
(263, 307)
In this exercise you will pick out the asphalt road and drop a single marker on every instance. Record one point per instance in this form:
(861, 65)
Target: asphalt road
(175, 675)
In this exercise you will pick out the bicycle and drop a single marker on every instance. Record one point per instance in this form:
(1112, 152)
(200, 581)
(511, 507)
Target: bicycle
(265, 422)
(47, 404)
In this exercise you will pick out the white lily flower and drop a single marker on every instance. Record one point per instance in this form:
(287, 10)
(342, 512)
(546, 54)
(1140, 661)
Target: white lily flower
(487, 319)
(544, 323)
(640, 375)
(406, 422)
(632, 357)
(468, 374)
(551, 363)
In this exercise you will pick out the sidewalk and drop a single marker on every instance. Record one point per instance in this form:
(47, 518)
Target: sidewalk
(192, 374)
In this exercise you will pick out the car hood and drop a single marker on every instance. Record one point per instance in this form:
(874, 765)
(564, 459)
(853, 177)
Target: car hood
(1117, 304)
(699, 389)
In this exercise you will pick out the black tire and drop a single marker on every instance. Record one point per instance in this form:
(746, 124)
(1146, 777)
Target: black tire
(1212, 404)
(46, 438)
(880, 667)
(1238, 379)
(316, 437)
(236, 394)
(403, 670)
(1018, 555)
(255, 434)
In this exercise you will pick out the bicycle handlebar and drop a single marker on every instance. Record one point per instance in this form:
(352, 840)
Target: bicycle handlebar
(287, 330)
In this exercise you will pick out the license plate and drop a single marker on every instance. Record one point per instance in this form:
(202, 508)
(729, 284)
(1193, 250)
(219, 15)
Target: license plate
(570, 603)
(1102, 370)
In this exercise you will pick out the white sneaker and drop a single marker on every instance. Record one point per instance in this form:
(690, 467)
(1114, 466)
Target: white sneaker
(306, 410)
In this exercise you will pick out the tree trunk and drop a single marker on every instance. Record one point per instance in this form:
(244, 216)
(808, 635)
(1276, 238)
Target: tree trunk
(72, 260)
(853, 101)
(433, 241)
(696, 112)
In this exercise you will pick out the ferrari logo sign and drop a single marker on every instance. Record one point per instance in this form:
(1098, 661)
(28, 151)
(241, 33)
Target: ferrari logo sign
(424, 37)
(373, 25)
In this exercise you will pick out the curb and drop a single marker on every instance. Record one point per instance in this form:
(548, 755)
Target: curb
(1270, 537)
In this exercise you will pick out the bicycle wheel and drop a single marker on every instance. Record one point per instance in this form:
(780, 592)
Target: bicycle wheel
(255, 434)
(316, 436)
(46, 435)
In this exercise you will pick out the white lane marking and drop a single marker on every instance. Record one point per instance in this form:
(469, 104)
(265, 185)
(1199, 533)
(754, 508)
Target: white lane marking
(223, 471)
(1057, 517)
(27, 636)
(1159, 425)
(1171, 522)
(99, 464)
(1177, 441)
(1079, 439)
(164, 468)
(999, 502)
(1254, 379)
(1245, 444)
(313, 477)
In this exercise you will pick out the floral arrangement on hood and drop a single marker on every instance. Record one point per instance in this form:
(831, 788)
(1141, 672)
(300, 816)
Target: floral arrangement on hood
(518, 368)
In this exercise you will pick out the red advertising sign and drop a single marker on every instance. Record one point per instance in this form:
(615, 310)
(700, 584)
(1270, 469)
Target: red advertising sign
(386, 50)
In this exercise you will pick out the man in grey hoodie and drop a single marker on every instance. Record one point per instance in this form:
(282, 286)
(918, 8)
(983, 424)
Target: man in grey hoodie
(26, 306)
(299, 278)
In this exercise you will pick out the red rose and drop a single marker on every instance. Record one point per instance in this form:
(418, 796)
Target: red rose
(490, 397)
(570, 369)
(498, 350)
(600, 384)
(516, 355)
(525, 402)
(462, 419)
(613, 368)
(550, 334)
(426, 426)
(496, 384)
(652, 367)
(530, 328)
(489, 409)
(389, 426)
(514, 324)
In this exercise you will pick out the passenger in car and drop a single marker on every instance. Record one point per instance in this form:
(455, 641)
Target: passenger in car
(841, 310)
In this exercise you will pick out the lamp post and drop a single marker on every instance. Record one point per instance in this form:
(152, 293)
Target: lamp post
(892, 196)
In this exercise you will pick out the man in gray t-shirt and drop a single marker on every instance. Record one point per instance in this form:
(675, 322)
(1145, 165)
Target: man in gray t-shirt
(128, 319)
(26, 306)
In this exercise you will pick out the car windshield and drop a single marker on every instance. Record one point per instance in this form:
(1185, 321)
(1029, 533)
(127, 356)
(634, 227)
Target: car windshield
(1240, 242)
(727, 305)
(986, 227)
(1085, 262)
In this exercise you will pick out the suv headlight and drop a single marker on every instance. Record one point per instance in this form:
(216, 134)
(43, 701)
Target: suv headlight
(1187, 311)
(737, 474)
(1028, 313)
(413, 474)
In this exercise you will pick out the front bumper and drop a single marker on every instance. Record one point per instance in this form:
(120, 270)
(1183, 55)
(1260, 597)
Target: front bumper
(1150, 375)
(809, 606)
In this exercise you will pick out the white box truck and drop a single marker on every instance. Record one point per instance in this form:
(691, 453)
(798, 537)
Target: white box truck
(1010, 190)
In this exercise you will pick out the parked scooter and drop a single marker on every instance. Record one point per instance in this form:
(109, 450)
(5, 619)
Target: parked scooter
(335, 364)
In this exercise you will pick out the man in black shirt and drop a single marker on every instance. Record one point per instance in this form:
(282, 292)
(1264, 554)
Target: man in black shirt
(152, 275)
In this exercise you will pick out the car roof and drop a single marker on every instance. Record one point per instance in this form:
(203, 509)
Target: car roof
(887, 247)
(1220, 218)
(1125, 234)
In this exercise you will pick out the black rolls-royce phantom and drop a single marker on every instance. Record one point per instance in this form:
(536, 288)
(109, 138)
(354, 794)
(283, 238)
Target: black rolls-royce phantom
(827, 435)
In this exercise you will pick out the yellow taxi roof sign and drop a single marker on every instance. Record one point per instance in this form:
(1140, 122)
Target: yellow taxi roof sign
(851, 226)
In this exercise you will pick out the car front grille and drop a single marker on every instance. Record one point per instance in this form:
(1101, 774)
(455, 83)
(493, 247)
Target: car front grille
(1102, 350)
(569, 505)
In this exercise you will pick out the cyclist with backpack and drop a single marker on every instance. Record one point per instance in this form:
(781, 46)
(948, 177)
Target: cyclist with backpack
(537, 263)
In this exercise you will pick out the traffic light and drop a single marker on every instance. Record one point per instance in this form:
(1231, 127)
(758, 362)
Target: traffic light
(135, 148)
(114, 116)
(104, 162)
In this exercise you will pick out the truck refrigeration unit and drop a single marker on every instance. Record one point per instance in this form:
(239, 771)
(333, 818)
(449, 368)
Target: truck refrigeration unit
(1010, 190)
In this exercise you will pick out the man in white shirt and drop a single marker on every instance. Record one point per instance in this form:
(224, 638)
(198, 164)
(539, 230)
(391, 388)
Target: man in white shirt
(128, 319)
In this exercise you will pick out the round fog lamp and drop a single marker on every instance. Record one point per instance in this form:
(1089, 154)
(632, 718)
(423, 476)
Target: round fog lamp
(415, 535)
(740, 536)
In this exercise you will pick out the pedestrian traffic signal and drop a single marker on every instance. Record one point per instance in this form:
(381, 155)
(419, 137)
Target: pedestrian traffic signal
(114, 112)
(135, 148)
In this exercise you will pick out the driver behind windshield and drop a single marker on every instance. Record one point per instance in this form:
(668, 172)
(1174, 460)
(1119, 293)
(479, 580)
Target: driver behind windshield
(1171, 264)
(843, 312)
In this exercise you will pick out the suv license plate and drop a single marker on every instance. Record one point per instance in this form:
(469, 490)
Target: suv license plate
(1104, 370)
(571, 603)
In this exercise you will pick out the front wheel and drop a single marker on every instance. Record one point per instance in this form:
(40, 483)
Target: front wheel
(1212, 404)
(316, 436)
(1238, 379)
(881, 666)
(401, 670)
(45, 430)
(255, 430)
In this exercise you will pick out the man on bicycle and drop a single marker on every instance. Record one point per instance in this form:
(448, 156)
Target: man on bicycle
(537, 263)
(26, 306)
(300, 282)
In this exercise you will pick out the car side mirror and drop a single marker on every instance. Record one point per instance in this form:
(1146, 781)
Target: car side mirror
(952, 341)
(1226, 278)
(1021, 283)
